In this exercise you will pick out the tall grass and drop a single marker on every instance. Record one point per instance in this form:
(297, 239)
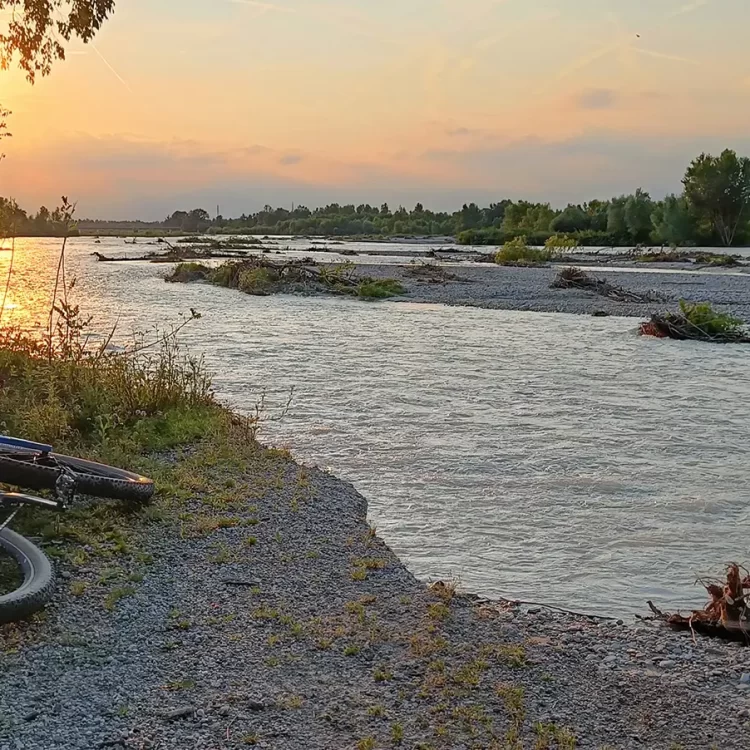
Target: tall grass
(86, 398)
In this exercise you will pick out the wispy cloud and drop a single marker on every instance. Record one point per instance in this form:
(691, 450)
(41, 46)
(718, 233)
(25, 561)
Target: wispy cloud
(688, 8)
(264, 7)
(597, 99)
(665, 56)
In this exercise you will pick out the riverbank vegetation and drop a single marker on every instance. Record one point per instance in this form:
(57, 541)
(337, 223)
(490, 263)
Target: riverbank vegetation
(261, 277)
(713, 209)
(699, 322)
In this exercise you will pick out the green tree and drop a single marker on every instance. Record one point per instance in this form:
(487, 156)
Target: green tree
(597, 211)
(718, 190)
(616, 217)
(4, 114)
(673, 222)
(637, 213)
(572, 219)
(38, 29)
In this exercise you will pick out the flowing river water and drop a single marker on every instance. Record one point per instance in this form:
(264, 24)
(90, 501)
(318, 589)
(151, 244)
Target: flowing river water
(550, 458)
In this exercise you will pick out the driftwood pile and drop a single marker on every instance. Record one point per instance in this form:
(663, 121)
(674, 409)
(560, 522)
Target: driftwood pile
(575, 278)
(726, 616)
(431, 273)
(680, 327)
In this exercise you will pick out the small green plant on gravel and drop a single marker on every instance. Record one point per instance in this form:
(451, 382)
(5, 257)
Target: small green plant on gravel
(222, 554)
(273, 661)
(405, 600)
(382, 674)
(514, 700)
(250, 739)
(177, 685)
(116, 595)
(265, 613)
(550, 735)
(469, 675)
(78, 588)
(351, 650)
(109, 574)
(377, 711)
(438, 611)
(513, 655)
(426, 645)
(357, 609)
(445, 590)
(123, 711)
(313, 554)
(136, 577)
(291, 702)
(371, 563)
(397, 733)
(250, 541)
(273, 640)
(366, 743)
(323, 644)
(359, 574)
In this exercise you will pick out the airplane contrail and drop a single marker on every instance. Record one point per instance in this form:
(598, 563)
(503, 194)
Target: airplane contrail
(114, 72)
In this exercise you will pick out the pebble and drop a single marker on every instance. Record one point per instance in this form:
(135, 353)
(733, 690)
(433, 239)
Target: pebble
(667, 664)
(180, 713)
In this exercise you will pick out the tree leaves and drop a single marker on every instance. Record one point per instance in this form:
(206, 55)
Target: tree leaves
(38, 28)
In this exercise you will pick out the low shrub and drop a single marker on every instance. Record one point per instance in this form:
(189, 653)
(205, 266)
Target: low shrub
(516, 252)
(702, 316)
(188, 271)
(380, 289)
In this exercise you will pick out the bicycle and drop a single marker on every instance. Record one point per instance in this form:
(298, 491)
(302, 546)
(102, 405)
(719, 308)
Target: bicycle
(24, 463)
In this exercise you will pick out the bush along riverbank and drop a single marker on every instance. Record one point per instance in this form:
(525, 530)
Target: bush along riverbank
(259, 276)
(251, 604)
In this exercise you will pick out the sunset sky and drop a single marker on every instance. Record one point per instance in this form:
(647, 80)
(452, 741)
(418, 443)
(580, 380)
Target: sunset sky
(185, 103)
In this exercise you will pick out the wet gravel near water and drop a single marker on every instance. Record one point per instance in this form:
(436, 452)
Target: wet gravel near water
(510, 288)
(305, 631)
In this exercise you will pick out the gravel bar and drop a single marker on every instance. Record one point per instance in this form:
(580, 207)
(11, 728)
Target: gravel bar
(302, 630)
(514, 288)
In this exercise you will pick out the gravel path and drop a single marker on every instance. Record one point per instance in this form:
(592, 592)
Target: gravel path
(509, 288)
(300, 629)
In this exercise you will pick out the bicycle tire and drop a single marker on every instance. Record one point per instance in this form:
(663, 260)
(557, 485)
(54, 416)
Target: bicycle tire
(23, 469)
(38, 579)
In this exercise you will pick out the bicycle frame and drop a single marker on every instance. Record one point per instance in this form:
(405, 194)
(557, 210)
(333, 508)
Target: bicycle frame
(17, 499)
(28, 445)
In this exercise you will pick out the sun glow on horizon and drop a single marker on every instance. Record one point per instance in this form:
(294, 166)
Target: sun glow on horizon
(451, 99)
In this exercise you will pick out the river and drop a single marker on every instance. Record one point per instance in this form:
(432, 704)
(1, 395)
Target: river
(551, 458)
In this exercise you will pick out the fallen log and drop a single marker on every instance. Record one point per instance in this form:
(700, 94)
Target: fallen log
(174, 256)
(726, 616)
(575, 278)
(697, 322)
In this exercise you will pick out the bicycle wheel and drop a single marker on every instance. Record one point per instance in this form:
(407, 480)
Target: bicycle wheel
(41, 472)
(26, 578)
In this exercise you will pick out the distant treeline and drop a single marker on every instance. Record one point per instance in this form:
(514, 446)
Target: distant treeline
(713, 209)
(45, 223)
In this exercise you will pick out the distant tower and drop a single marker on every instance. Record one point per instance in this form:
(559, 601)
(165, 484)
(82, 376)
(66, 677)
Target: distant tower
(218, 213)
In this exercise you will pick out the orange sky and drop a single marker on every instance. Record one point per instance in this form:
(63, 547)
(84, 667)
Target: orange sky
(239, 103)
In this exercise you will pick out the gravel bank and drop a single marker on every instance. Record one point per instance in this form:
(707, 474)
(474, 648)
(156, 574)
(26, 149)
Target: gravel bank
(508, 288)
(300, 629)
